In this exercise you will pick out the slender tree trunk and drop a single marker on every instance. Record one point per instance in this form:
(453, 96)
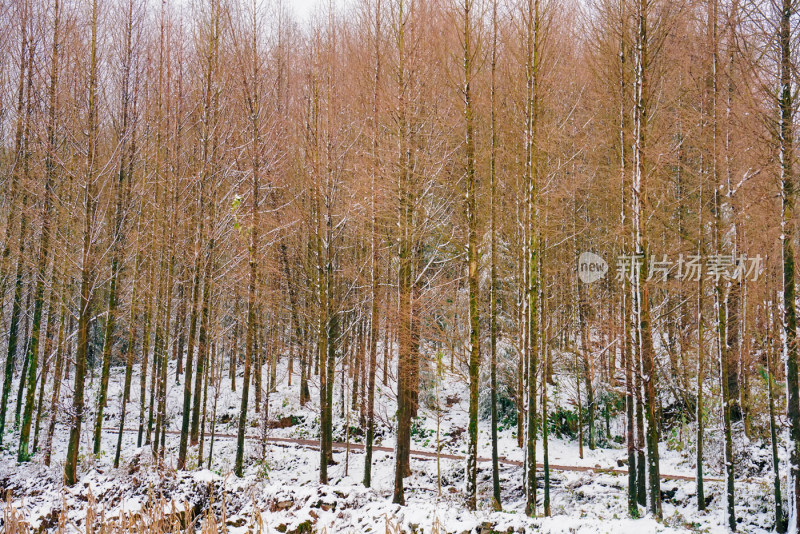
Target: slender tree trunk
(19, 155)
(587, 360)
(630, 400)
(202, 342)
(155, 368)
(724, 302)
(12, 196)
(148, 314)
(84, 315)
(641, 111)
(216, 378)
(545, 434)
(788, 193)
(116, 231)
(161, 422)
(23, 376)
(44, 245)
(404, 275)
(187, 381)
(636, 363)
(627, 332)
(532, 50)
(131, 352)
(180, 323)
(497, 503)
(772, 350)
(472, 265)
(209, 146)
(700, 408)
(374, 320)
(205, 378)
(50, 334)
(253, 98)
(258, 365)
(57, 375)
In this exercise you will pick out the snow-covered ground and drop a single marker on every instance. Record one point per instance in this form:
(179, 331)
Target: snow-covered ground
(281, 491)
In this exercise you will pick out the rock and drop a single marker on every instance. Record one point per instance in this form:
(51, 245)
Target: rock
(668, 494)
(283, 422)
(578, 482)
(303, 528)
(135, 463)
(238, 522)
(227, 418)
(282, 505)
(486, 528)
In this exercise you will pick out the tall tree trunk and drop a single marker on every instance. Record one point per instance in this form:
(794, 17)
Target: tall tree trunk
(202, 341)
(700, 407)
(209, 146)
(216, 378)
(57, 375)
(131, 351)
(630, 400)
(179, 334)
(258, 365)
(50, 334)
(788, 193)
(205, 379)
(497, 502)
(588, 367)
(44, 243)
(84, 314)
(772, 348)
(148, 314)
(374, 319)
(640, 217)
(627, 332)
(163, 333)
(724, 303)
(12, 197)
(254, 102)
(187, 381)
(19, 155)
(472, 265)
(404, 275)
(532, 51)
(23, 376)
(116, 229)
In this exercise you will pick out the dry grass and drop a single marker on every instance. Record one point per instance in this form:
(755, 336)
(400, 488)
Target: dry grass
(159, 518)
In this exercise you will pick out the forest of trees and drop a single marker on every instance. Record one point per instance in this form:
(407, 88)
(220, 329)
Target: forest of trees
(200, 189)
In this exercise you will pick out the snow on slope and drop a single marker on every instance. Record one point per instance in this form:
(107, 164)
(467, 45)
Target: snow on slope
(285, 492)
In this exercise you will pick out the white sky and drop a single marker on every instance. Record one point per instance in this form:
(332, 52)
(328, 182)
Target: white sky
(304, 8)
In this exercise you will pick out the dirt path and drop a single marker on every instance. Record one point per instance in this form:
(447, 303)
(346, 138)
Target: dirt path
(428, 455)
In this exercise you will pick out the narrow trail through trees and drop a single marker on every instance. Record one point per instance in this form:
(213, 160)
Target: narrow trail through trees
(338, 446)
